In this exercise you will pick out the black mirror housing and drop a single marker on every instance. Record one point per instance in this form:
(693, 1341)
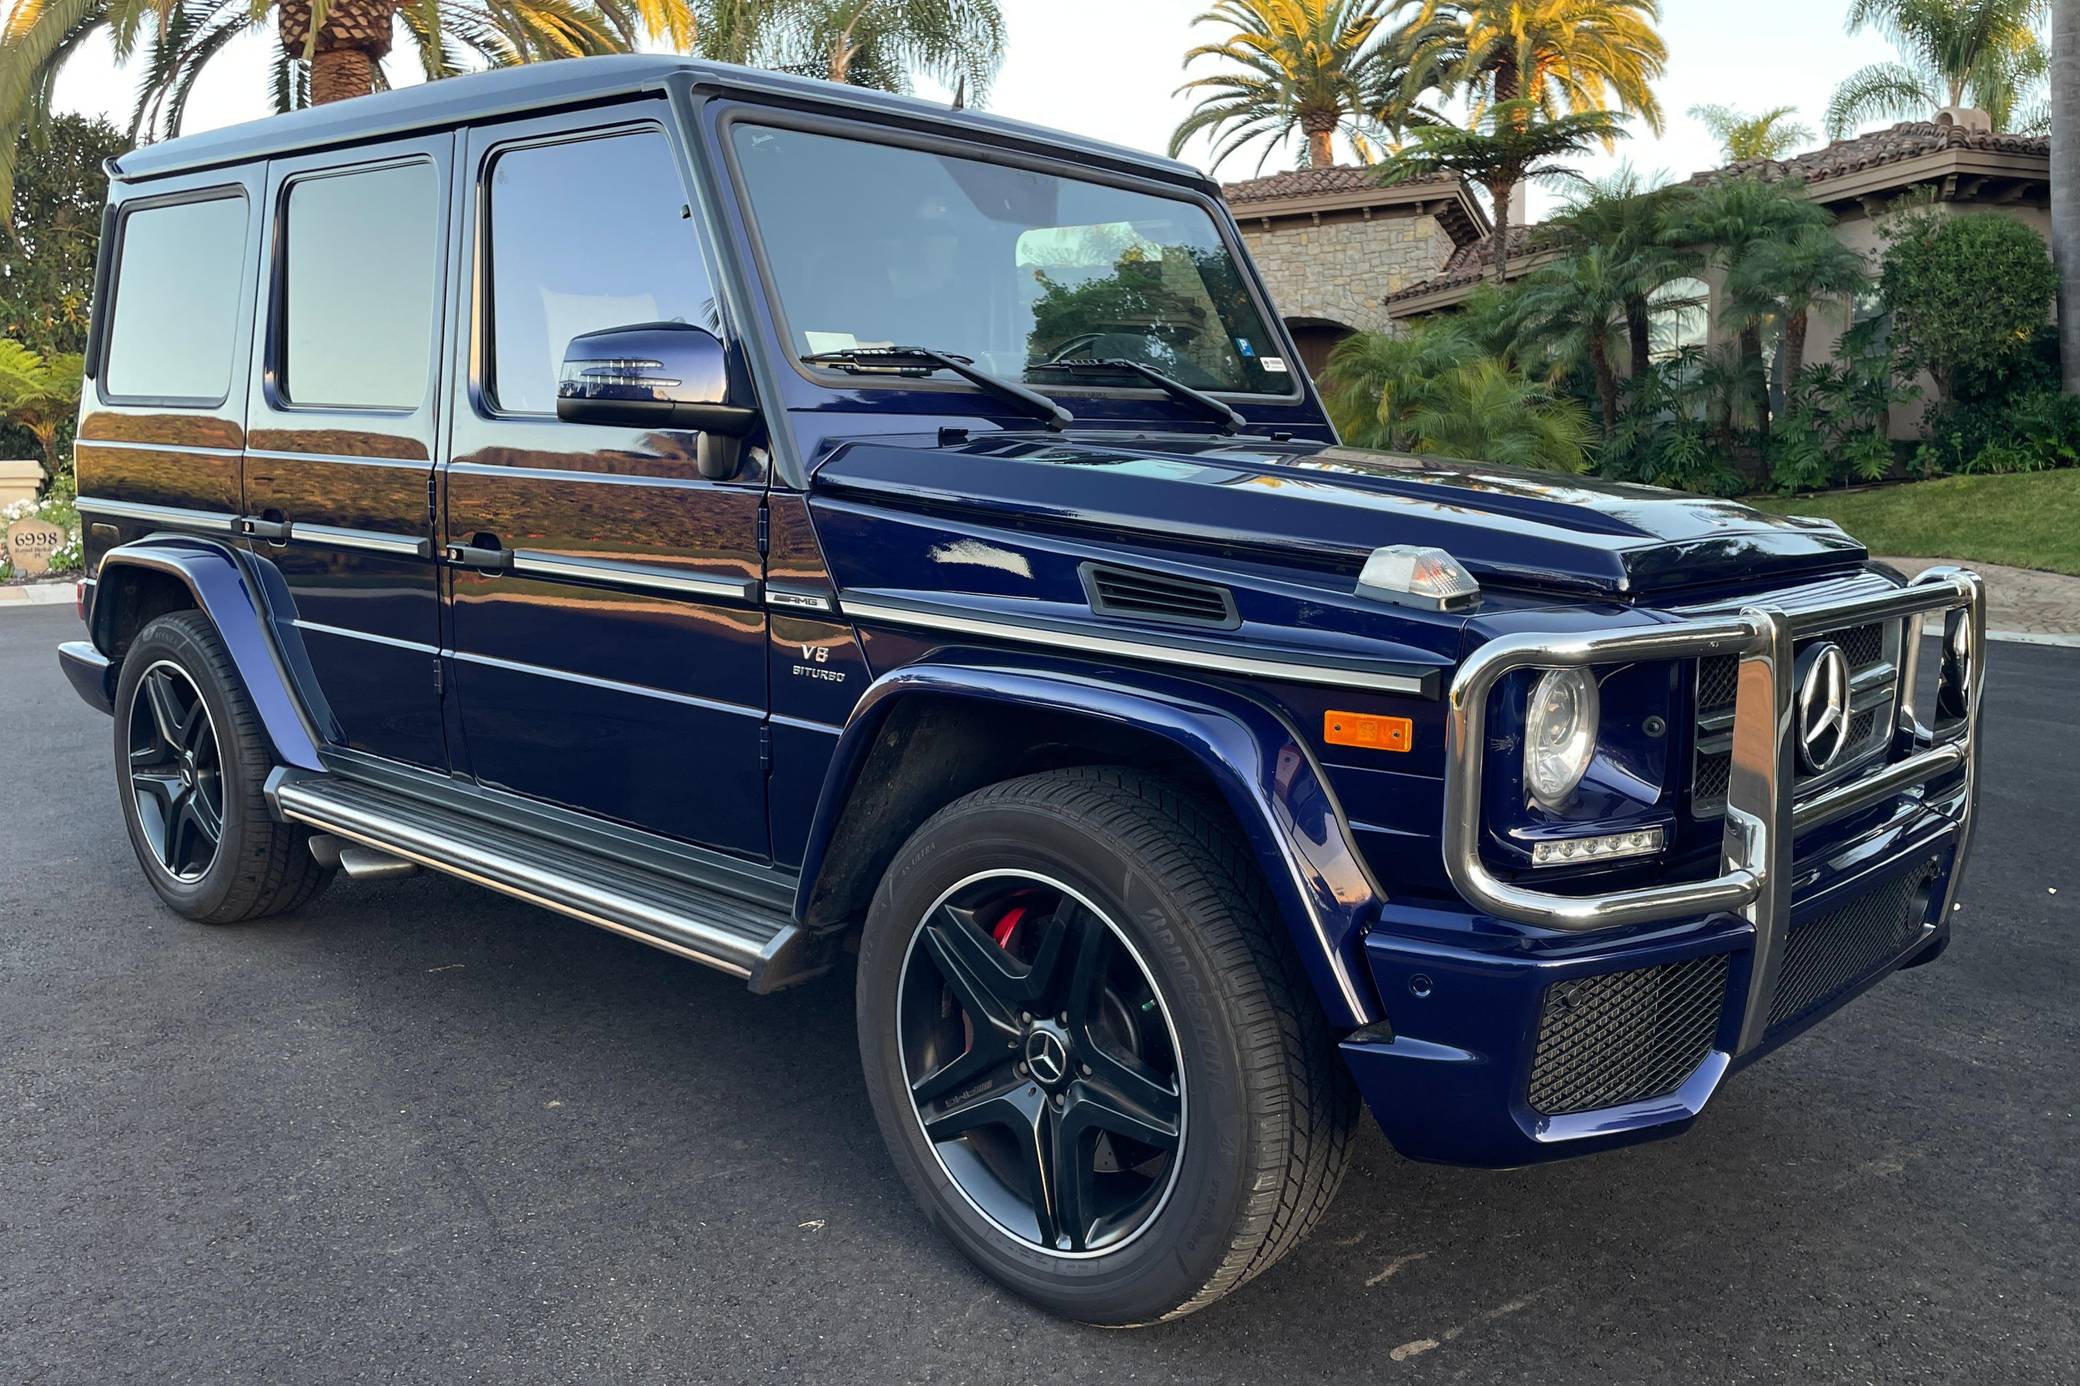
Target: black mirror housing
(665, 375)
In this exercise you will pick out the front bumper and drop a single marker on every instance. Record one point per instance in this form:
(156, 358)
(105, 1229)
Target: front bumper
(1548, 1025)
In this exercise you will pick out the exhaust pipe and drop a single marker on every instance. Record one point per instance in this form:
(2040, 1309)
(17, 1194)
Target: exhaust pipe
(359, 863)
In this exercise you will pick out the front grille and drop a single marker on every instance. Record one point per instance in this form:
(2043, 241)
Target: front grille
(1828, 955)
(1625, 1036)
(1872, 650)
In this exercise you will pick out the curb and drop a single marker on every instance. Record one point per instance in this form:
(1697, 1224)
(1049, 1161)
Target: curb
(37, 594)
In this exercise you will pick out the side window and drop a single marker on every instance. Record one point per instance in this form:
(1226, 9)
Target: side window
(175, 325)
(584, 235)
(358, 287)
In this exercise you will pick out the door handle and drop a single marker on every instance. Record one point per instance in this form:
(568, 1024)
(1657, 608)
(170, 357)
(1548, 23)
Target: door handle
(254, 527)
(489, 558)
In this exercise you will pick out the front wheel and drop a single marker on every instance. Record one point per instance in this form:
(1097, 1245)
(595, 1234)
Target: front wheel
(1090, 1050)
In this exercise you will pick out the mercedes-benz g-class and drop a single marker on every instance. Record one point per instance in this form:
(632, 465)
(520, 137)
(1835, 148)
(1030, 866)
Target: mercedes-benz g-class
(775, 521)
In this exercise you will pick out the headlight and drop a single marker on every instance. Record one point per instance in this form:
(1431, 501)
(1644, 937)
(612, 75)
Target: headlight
(1559, 734)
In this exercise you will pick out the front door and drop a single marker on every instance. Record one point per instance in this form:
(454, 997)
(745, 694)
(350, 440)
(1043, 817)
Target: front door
(340, 436)
(607, 639)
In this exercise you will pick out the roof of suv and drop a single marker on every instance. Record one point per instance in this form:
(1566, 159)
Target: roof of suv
(576, 81)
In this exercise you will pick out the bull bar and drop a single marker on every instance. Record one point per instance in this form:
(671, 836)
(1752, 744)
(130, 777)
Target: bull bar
(1763, 817)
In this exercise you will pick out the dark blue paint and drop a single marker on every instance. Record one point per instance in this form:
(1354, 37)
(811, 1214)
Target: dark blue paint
(1265, 772)
(222, 591)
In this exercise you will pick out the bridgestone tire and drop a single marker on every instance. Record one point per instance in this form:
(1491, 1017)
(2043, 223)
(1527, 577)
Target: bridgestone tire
(1270, 1110)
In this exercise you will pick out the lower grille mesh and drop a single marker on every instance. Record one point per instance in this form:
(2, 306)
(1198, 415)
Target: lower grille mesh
(1826, 956)
(1625, 1036)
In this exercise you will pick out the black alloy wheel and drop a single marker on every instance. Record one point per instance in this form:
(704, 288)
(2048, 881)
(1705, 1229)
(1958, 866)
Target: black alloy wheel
(1042, 1063)
(176, 775)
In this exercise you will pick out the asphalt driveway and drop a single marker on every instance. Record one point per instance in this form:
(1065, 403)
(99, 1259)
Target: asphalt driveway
(422, 1133)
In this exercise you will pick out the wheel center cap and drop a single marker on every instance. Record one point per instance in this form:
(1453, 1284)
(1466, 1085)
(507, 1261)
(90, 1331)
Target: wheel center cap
(1047, 1056)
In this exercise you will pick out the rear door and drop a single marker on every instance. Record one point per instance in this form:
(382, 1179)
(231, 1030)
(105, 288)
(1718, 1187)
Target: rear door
(341, 429)
(607, 638)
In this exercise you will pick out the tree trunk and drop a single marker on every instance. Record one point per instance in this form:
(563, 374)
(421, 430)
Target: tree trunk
(344, 53)
(2065, 181)
(1639, 335)
(1321, 148)
(1794, 349)
(1501, 193)
(1752, 371)
(1606, 382)
(340, 74)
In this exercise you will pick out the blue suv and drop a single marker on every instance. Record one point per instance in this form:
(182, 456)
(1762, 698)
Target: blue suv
(777, 522)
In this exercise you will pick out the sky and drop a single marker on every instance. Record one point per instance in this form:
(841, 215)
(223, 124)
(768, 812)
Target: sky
(1109, 69)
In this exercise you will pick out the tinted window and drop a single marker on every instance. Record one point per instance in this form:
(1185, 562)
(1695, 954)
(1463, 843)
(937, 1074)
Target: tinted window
(1010, 267)
(175, 327)
(585, 235)
(358, 295)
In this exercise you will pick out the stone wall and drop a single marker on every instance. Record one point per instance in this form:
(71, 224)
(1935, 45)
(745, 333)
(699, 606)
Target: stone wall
(1339, 270)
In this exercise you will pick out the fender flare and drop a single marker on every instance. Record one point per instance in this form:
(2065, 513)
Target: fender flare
(1271, 781)
(223, 591)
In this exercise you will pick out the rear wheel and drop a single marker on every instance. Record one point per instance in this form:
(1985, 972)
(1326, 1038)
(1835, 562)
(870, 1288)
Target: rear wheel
(191, 768)
(1090, 1050)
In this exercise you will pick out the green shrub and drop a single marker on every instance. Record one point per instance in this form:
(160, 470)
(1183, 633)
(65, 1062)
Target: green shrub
(1969, 297)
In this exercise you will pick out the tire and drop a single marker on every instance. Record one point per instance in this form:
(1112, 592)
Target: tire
(1263, 1112)
(190, 753)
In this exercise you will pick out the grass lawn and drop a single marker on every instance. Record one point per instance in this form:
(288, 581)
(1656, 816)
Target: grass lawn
(2031, 520)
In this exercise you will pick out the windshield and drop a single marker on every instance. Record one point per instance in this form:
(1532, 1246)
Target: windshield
(873, 245)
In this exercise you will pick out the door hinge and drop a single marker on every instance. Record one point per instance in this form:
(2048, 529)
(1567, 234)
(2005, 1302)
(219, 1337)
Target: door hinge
(765, 528)
(765, 746)
(439, 678)
(433, 504)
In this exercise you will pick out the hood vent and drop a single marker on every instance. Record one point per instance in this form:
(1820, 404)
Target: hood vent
(1157, 597)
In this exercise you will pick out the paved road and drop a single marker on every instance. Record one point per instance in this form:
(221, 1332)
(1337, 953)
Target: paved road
(421, 1133)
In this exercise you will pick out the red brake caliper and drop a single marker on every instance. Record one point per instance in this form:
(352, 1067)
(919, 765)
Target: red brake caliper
(1006, 924)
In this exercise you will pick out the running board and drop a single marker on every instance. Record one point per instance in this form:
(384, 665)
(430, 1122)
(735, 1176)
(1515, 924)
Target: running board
(763, 946)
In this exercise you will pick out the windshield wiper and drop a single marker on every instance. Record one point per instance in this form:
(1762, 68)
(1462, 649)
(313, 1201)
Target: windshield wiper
(1168, 384)
(920, 361)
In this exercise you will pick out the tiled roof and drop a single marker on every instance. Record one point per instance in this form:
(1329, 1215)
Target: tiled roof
(1889, 146)
(1894, 145)
(1320, 182)
(1477, 258)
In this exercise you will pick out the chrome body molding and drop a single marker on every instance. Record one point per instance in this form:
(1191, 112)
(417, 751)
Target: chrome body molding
(1207, 655)
(374, 541)
(645, 576)
(169, 516)
(132, 445)
(1762, 817)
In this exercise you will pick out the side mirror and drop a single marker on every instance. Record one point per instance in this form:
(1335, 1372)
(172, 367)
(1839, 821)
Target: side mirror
(657, 375)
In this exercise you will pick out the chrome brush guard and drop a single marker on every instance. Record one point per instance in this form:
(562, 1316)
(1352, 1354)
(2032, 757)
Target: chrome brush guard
(1763, 816)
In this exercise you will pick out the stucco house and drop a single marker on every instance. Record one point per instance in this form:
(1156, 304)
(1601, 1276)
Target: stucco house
(1341, 253)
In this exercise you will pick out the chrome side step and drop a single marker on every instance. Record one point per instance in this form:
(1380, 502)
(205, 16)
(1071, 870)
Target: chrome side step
(763, 946)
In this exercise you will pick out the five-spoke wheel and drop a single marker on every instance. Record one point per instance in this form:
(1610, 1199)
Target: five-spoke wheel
(176, 777)
(1042, 1062)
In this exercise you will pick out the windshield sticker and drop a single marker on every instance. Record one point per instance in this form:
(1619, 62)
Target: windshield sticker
(1273, 365)
(1242, 344)
(829, 341)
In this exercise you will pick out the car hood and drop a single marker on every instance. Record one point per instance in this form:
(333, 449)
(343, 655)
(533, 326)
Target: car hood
(1321, 504)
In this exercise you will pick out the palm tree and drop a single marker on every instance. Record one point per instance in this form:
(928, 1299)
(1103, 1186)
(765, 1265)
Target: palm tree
(1577, 56)
(1434, 389)
(867, 43)
(1732, 220)
(1628, 216)
(1569, 313)
(1787, 279)
(1770, 135)
(328, 49)
(1985, 52)
(2065, 190)
(1510, 142)
(1313, 68)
